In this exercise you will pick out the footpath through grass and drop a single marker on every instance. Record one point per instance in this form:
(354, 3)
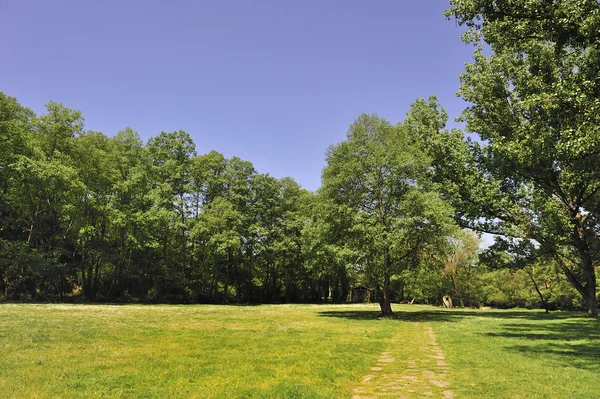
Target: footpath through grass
(290, 351)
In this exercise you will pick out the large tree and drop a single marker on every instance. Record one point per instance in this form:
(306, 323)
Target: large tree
(534, 97)
(378, 179)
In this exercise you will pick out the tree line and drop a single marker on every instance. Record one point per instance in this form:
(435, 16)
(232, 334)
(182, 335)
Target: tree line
(88, 216)
(83, 215)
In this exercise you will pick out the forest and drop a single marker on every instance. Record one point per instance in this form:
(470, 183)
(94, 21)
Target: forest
(88, 217)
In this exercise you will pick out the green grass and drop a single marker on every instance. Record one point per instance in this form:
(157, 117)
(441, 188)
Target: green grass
(184, 351)
(520, 353)
(283, 351)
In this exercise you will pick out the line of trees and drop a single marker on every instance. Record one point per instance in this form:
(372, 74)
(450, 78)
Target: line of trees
(89, 217)
(83, 215)
(105, 218)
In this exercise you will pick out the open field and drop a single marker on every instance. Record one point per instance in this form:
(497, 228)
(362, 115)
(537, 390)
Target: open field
(294, 351)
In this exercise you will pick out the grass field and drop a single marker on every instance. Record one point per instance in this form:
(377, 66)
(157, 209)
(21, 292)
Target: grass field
(291, 351)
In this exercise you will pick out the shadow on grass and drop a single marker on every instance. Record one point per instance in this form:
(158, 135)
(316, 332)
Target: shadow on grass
(450, 315)
(574, 343)
(568, 338)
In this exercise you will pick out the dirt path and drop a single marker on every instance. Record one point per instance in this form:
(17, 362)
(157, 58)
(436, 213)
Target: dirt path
(412, 367)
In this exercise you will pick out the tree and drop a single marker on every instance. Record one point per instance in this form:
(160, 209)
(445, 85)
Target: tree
(461, 256)
(15, 128)
(219, 230)
(535, 99)
(208, 183)
(128, 206)
(377, 177)
(92, 214)
(170, 156)
(293, 215)
(264, 228)
(329, 260)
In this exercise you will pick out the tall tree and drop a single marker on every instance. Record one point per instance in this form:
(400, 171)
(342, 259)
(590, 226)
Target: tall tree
(329, 260)
(92, 214)
(379, 176)
(535, 94)
(293, 214)
(128, 206)
(171, 158)
(15, 131)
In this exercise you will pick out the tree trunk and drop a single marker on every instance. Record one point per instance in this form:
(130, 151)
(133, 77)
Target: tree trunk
(30, 237)
(96, 281)
(226, 281)
(249, 282)
(213, 282)
(384, 303)
(592, 305)
(544, 303)
(588, 292)
(590, 287)
(591, 301)
(456, 291)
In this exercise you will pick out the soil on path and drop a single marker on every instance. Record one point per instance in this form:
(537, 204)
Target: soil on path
(412, 367)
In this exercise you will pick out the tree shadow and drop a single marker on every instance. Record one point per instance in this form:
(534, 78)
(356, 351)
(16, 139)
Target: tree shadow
(571, 343)
(569, 339)
(448, 315)
(351, 314)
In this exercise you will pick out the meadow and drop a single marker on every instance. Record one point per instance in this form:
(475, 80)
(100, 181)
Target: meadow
(294, 351)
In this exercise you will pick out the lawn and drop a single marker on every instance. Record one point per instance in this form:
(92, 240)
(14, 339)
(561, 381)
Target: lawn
(286, 351)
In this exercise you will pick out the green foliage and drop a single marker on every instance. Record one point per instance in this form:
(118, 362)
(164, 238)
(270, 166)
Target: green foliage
(114, 219)
(88, 217)
(534, 96)
(378, 180)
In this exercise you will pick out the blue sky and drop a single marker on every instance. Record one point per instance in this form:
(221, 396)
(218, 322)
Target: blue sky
(273, 82)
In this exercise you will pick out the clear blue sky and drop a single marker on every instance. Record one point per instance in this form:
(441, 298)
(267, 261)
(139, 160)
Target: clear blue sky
(273, 82)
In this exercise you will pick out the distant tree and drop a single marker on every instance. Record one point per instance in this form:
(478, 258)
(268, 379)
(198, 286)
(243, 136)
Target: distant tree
(128, 208)
(170, 157)
(92, 214)
(219, 229)
(16, 132)
(293, 215)
(329, 259)
(460, 257)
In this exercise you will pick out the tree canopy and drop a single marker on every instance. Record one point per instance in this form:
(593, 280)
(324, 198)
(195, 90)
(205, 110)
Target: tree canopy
(534, 93)
(379, 179)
